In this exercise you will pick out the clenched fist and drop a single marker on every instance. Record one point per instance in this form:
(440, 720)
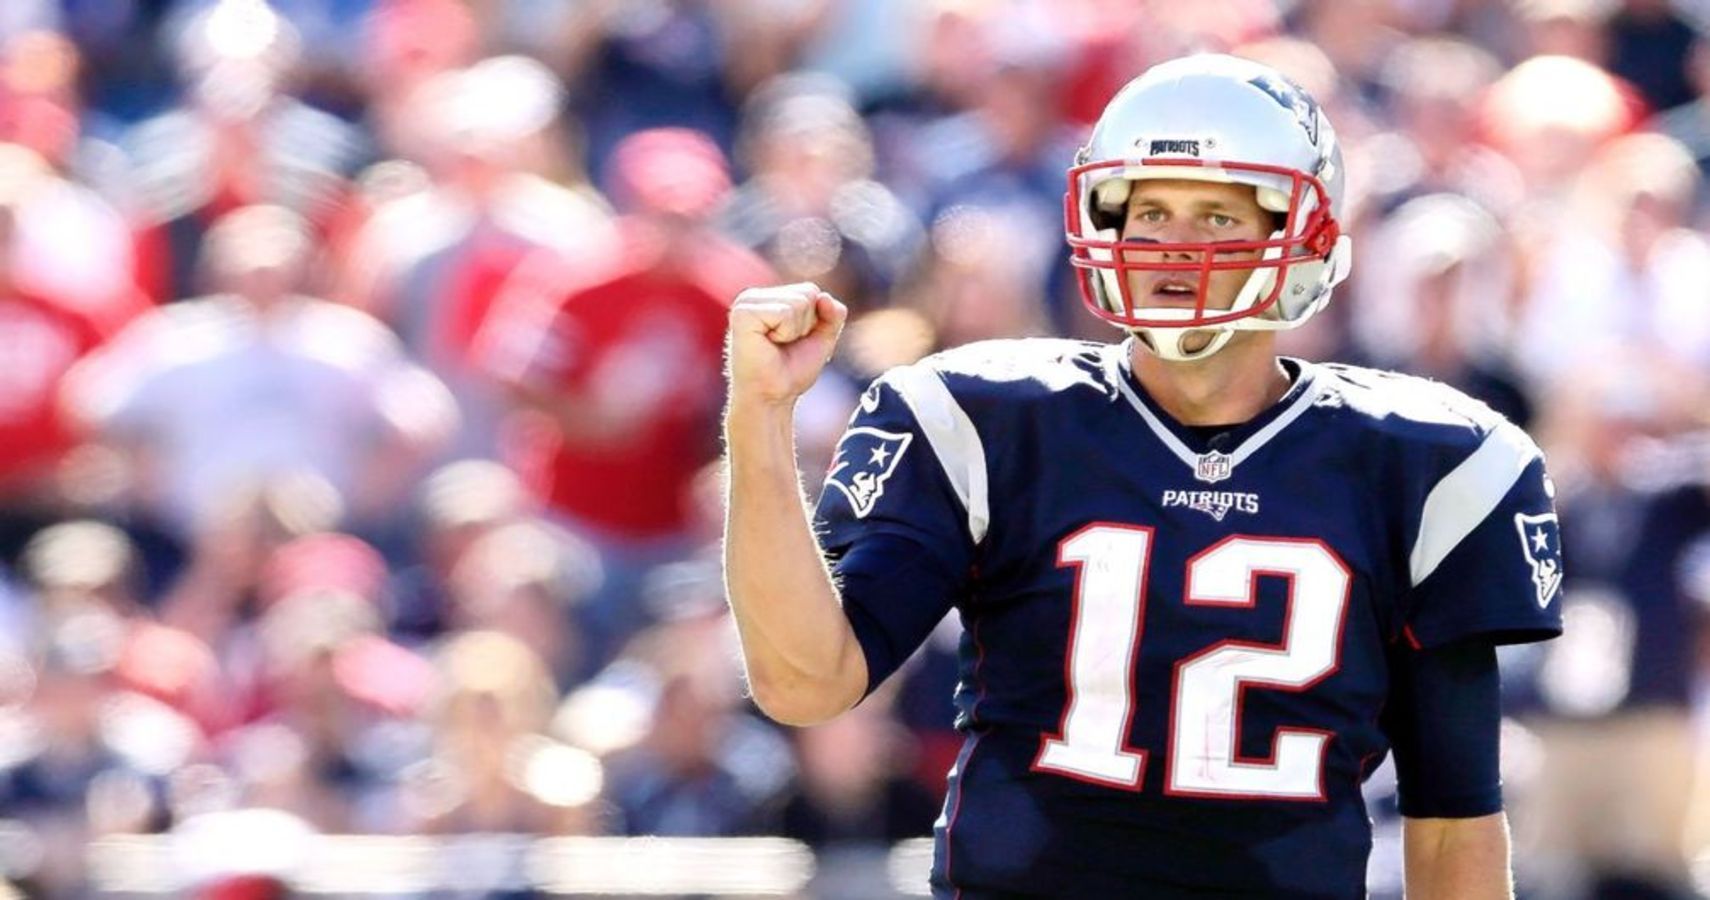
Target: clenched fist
(780, 339)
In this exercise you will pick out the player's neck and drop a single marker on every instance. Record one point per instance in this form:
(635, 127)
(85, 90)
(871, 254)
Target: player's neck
(1228, 388)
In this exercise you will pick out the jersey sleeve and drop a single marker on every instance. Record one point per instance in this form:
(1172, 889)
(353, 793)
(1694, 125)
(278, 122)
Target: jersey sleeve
(1444, 721)
(1486, 561)
(894, 514)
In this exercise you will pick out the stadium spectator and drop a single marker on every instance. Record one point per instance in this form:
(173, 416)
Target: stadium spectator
(1689, 123)
(811, 206)
(1621, 276)
(406, 44)
(1569, 28)
(432, 259)
(492, 768)
(41, 108)
(326, 692)
(677, 63)
(1549, 115)
(51, 315)
(237, 140)
(528, 580)
(616, 354)
(104, 723)
(1434, 85)
(1441, 307)
(703, 765)
(1006, 152)
(970, 284)
(456, 505)
(222, 579)
(216, 394)
(856, 784)
(1649, 44)
(1357, 37)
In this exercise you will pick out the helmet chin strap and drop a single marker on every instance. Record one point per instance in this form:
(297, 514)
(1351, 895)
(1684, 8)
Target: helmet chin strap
(1167, 343)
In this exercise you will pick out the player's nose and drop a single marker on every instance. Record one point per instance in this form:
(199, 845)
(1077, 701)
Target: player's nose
(1182, 230)
(1168, 239)
(1184, 251)
(1146, 252)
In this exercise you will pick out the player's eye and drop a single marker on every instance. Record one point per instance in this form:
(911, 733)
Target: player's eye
(1150, 214)
(1219, 220)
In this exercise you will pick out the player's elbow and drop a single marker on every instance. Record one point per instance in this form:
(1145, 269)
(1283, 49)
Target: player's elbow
(794, 711)
(799, 702)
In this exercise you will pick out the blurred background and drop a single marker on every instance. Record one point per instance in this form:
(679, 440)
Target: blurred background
(360, 372)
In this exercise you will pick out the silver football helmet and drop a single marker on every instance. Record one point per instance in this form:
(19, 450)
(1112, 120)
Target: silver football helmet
(1211, 118)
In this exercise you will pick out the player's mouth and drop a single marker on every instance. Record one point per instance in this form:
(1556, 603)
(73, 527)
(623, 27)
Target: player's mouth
(1175, 292)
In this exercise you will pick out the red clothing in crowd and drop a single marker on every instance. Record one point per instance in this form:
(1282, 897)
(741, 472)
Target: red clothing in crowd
(468, 292)
(642, 326)
(40, 339)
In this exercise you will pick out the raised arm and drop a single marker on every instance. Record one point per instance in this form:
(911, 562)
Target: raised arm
(804, 663)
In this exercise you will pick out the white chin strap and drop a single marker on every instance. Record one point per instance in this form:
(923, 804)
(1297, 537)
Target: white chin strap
(1168, 343)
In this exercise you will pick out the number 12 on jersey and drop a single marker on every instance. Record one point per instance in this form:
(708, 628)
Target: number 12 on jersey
(1204, 758)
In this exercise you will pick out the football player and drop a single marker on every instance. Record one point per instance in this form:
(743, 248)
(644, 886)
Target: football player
(1204, 588)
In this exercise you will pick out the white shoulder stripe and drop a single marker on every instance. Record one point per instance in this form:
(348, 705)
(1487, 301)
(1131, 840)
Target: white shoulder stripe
(953, 437)
(1465, 496)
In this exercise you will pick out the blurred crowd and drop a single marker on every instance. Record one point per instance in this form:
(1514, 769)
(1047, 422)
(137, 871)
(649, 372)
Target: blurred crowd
(360, 378)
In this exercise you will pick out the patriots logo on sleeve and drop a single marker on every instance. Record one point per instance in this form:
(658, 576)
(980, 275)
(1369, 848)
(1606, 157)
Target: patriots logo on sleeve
(866, 459)
(1541, 542)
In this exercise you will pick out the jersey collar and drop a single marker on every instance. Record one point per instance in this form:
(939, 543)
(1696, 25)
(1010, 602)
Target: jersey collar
(1211, 464)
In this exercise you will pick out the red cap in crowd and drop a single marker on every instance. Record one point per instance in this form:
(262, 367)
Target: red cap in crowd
(326, 562)
(676, 171)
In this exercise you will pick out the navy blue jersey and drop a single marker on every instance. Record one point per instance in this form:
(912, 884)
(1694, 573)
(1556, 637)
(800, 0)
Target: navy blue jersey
(1176, 647)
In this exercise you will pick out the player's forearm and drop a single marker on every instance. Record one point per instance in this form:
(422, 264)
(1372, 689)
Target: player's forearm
(804, 664)
(1457, 859)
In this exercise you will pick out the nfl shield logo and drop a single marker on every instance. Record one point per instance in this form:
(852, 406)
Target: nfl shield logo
(1212, 467)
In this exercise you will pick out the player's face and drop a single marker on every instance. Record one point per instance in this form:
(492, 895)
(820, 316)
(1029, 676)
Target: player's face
(1182, 211)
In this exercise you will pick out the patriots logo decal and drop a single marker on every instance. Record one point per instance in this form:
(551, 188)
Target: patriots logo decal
(1541, 542)
(1292, 99)
(866, 459)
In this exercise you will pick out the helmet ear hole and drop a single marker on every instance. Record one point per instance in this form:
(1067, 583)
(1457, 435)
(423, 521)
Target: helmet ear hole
(1279, 221)
(1109, 203)
(1108, 220)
